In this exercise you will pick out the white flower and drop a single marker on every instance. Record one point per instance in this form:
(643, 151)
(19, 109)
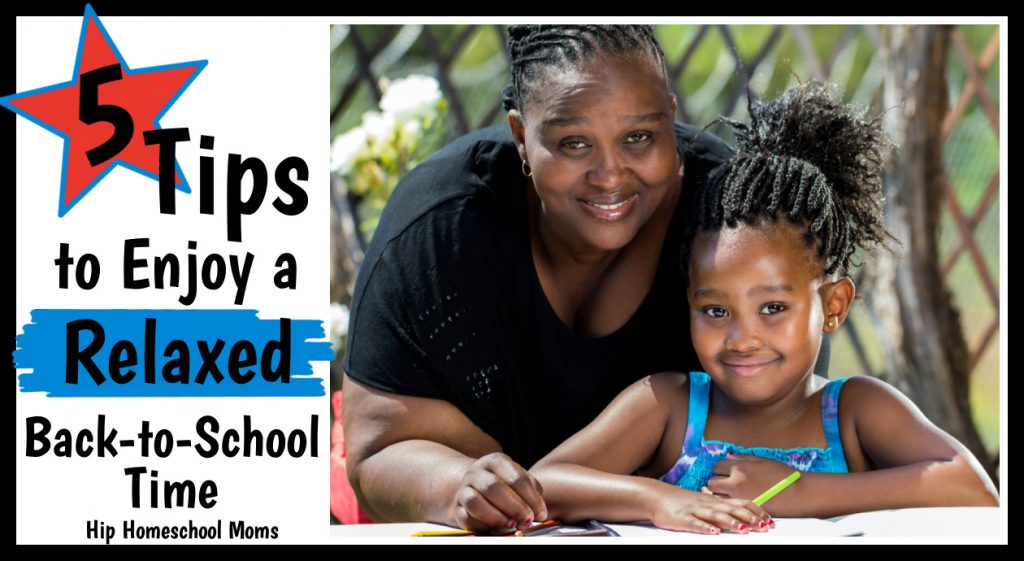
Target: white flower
(345, 149)
(378, 126)
(339, 324)
(412, 96)
(339, 318)
(413, 128)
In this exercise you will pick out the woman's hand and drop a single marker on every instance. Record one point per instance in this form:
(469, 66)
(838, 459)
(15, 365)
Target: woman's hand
(447, 470)
(688, 511)
(495, 494)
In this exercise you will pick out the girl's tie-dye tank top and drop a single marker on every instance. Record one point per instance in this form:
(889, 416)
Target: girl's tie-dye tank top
(698, 457)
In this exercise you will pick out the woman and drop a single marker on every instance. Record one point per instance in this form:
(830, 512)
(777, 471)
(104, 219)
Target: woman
(520, 279)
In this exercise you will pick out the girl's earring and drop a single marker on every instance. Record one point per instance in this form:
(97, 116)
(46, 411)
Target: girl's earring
(526, 169)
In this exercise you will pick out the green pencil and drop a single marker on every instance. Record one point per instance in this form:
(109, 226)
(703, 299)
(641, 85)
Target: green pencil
(777, 488)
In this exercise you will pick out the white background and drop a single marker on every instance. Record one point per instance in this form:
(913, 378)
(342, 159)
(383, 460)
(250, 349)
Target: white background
(263, 94)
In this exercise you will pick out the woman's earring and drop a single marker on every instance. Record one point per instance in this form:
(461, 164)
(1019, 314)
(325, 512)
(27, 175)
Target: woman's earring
(831, 322)
(526, 169)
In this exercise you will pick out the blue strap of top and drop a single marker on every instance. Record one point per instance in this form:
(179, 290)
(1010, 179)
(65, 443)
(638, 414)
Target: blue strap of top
(700, 393)
(830, 421)
(699, 454)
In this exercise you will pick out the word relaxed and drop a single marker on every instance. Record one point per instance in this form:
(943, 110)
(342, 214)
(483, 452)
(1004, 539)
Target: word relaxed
(178, 368)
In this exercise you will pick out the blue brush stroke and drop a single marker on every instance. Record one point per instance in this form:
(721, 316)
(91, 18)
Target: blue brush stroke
(43, 348)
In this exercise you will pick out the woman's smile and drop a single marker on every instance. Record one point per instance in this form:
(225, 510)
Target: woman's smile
(609, 208)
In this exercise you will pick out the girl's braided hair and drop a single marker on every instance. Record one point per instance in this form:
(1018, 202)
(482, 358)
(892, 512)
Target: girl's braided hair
(807, 157)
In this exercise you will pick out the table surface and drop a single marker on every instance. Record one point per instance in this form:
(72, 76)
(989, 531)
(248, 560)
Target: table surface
(916, 524)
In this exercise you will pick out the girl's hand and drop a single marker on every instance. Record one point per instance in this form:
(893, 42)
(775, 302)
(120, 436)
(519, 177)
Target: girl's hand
(703, 513)
(745, 477)
(496, 494)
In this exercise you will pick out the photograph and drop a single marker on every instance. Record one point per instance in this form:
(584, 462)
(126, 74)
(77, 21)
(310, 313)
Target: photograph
(625, 280)
(665, 280)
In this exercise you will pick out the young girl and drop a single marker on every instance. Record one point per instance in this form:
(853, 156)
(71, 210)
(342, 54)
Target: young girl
(773, 235)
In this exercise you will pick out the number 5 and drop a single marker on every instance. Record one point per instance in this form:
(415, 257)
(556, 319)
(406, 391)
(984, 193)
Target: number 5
(90, 111)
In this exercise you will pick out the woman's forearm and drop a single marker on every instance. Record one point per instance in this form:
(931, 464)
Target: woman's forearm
(419, 459)
(412, 480)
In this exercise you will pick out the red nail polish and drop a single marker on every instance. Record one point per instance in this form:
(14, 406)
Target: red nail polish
(763, 524)
(771, 522)
(743, 527)
(511, 524)
(528, 521)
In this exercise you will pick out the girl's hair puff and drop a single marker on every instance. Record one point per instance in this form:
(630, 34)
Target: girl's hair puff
(810, 158)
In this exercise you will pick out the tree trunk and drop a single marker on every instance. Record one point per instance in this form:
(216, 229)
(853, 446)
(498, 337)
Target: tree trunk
(346, 245)
(926, 354)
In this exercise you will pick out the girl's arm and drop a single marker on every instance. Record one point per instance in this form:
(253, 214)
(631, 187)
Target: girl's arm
(588, 476)
(913, 463)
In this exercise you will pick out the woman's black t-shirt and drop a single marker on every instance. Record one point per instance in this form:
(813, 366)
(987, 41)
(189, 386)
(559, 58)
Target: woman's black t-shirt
(448, 306)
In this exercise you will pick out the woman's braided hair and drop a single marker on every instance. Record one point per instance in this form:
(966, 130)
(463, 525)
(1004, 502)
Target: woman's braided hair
(532, 48)
(807, 157)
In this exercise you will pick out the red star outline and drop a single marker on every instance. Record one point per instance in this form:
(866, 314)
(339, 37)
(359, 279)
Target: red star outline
(146, 94)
